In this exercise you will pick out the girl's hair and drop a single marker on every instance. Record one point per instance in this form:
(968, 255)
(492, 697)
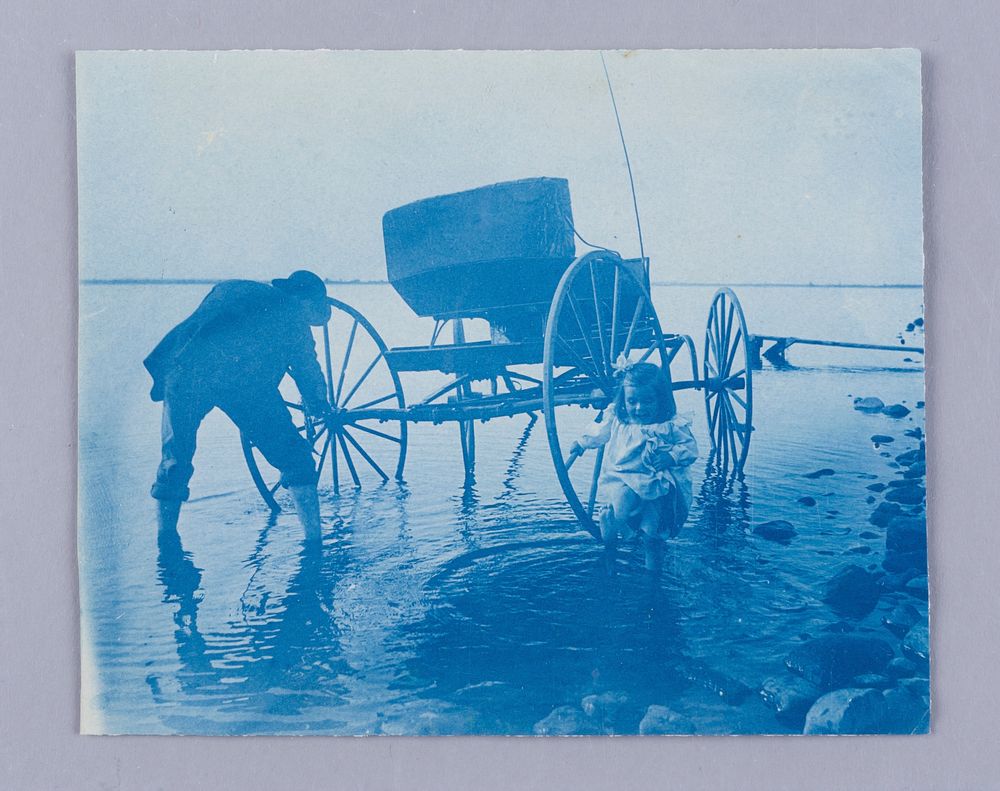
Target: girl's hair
(647, 375)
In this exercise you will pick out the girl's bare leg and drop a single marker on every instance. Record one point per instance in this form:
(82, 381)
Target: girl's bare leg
(615, 517)
(651, 540)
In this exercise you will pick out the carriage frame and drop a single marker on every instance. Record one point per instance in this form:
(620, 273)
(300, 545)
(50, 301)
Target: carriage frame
(598, 316)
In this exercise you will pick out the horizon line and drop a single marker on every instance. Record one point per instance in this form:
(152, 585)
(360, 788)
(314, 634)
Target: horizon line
(168, 281)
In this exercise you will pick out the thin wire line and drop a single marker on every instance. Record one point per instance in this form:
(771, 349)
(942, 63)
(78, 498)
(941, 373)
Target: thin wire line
(576, 233)
(628, 164)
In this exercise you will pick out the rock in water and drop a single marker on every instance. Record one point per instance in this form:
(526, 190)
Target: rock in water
(916, 644)
(916, 686)
(917, 587)
(832, 660)
(819, 473)
(660, 720)
(882, 439)
(847, 711)
(869, 404)
(777, 530)
(884, 512)
(605, 707)
(807, 500)
(790, 697)
(563, 721)
(901, 667)
(852, 591)
(896, 410)
(912, 564)
(907, 495)
(840, 627)
(906, 534)
(916, 470)
(905, 712)
(912, 456)
(876, 487)
(871, 681)
(731, 690)
(901, 619)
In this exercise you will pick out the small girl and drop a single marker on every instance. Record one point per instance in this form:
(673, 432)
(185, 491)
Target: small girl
(644, 481)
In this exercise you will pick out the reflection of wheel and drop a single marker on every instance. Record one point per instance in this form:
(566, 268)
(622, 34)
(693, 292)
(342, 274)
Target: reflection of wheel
(353, 446)
(728, 381)
(601, 311)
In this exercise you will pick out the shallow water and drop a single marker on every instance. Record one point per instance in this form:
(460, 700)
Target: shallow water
(433, 607)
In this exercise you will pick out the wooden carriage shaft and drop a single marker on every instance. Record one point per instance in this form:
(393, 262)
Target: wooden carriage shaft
(510, 405)
(780, 344)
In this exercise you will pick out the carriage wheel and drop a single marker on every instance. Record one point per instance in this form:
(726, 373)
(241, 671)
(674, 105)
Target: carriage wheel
(728, 381)
(351, 448)
(601, 311)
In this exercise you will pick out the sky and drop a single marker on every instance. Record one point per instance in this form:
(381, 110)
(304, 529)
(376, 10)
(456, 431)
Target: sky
(749, 165)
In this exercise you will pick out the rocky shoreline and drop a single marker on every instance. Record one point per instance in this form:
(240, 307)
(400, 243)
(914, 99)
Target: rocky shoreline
(869, 671)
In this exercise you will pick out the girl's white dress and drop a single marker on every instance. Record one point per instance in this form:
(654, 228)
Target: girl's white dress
(628, 455)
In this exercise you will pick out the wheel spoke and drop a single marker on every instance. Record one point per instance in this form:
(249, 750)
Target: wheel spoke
(322, 456)
(374, 402)
(377, 433)
(316, 438)
(717, 337)
(727, 326)
(597, 317)
(342, 402)
(731, 356)
(714, 419)
(735, 421)
(275, 488)
(635, 317)
(740, 401)
(347, 358)
(724, 435)
(737, 374)
(330, 396)
(734, 433)
(364, 454)
(294, 405)
(645, 354)
(349, 460)
(586, 334)
(588, 369)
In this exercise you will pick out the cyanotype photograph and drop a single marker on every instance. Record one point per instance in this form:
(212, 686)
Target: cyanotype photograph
(502, 393)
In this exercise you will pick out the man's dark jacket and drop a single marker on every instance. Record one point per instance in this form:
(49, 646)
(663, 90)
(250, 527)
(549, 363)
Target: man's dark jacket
(243, 338)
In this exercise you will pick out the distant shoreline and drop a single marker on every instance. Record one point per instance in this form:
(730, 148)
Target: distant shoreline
(127, 281)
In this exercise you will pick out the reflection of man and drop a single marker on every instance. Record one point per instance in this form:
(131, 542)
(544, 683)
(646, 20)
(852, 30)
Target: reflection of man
(231, 353)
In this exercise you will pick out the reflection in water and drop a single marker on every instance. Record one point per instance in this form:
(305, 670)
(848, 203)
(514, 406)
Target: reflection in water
(181, 581)
(519, 629)
(724, 502)
(279, 658)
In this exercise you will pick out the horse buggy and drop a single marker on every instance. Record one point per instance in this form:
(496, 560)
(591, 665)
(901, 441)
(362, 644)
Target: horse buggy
(560, 328)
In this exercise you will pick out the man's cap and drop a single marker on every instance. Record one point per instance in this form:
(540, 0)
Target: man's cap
(311, 290)
(302, 284)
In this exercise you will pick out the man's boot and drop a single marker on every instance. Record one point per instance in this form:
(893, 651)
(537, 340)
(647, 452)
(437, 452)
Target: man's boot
(307, 507)
(167, 515)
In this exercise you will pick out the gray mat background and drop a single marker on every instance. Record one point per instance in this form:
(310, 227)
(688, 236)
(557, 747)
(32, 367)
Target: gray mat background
(39, 654)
